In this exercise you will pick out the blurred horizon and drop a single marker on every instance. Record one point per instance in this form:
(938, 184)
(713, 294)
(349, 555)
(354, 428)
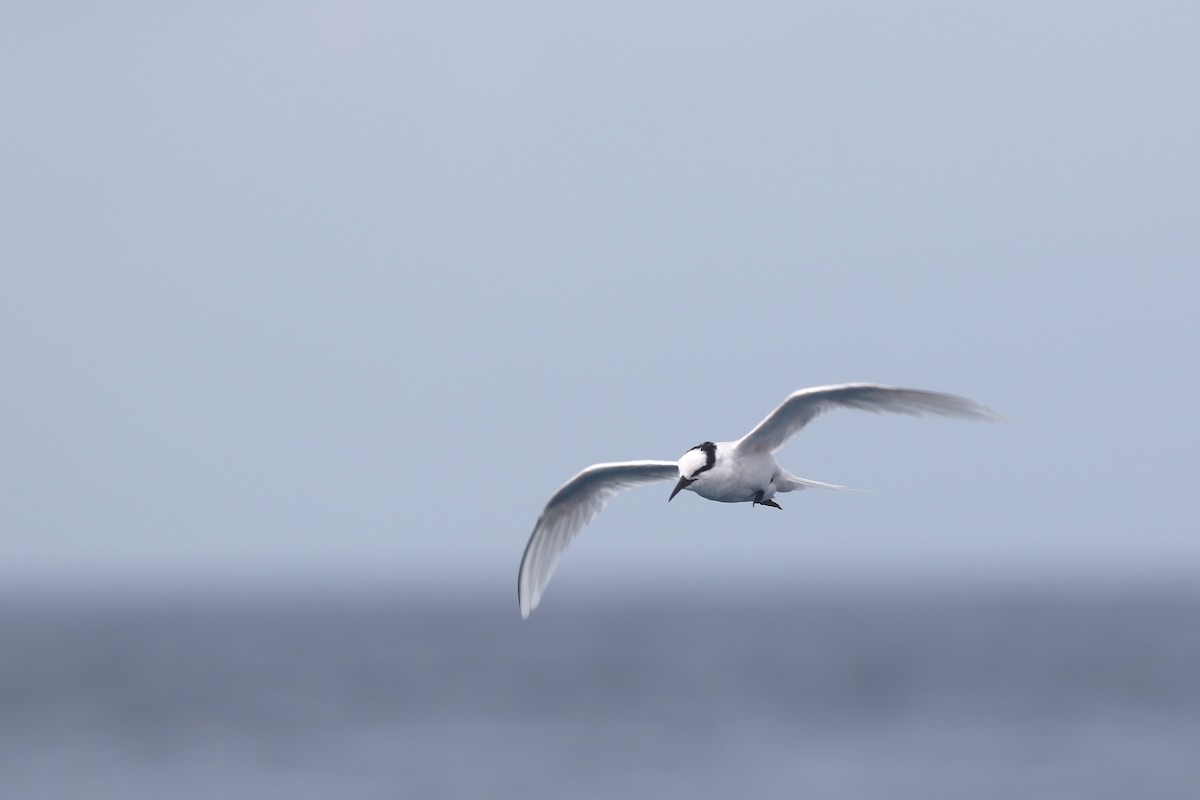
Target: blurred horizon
(975, 695)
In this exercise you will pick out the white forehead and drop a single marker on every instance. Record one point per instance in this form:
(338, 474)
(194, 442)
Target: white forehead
(691, 461)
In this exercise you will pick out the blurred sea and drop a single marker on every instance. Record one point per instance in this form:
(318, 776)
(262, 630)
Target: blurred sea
(822, 695)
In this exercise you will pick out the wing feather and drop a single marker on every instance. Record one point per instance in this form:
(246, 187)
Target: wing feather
(805, 405)
(572, 507)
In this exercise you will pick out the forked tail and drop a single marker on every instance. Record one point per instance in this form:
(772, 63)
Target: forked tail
(791, 483)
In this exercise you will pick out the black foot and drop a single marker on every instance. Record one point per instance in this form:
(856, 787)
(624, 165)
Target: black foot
(758, 501)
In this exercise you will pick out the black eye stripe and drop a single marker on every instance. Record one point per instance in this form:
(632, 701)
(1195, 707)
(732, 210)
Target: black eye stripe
(710, 457)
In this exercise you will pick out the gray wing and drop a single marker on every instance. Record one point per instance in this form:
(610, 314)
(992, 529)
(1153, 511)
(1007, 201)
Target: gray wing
(569, 509)
(803, 406)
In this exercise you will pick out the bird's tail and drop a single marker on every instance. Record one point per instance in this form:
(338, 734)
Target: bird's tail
(792, 483)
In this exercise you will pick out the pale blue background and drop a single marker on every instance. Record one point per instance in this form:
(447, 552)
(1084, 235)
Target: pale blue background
(338, 294)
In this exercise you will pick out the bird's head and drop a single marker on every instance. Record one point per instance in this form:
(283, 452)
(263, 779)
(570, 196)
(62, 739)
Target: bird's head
(693, 464)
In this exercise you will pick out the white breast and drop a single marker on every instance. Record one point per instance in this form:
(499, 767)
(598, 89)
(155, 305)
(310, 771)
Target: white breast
(737, 477)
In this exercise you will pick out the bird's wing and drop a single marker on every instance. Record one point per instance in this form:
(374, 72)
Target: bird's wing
(803, 406)
(569, 509)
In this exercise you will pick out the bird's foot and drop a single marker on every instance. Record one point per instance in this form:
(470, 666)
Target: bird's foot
(758, 501)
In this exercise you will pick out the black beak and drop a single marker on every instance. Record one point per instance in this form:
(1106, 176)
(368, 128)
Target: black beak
(683, 482)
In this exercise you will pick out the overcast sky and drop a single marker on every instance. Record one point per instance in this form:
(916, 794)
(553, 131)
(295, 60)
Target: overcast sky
(344, 291)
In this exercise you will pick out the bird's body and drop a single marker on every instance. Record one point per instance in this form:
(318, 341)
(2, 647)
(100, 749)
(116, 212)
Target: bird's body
(738, 477)
(744, 471)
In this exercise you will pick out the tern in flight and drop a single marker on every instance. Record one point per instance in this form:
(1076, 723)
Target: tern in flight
(744, 471)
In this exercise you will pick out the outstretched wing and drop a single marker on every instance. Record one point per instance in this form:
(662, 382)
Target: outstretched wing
(803, 406)
(569, 509)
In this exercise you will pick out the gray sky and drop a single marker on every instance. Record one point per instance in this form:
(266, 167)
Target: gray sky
(344, 291)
